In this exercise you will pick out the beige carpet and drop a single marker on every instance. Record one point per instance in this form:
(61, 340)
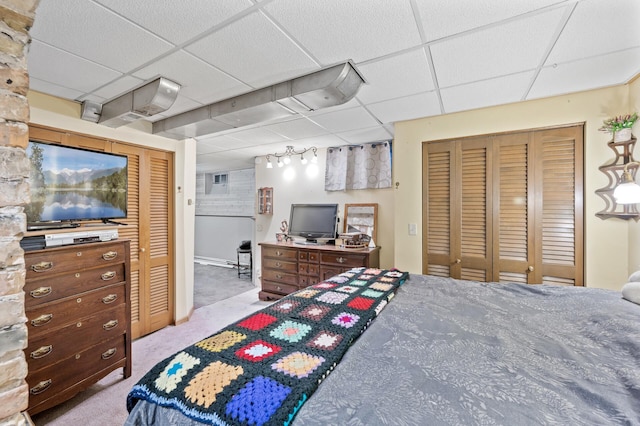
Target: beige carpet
(104, 404)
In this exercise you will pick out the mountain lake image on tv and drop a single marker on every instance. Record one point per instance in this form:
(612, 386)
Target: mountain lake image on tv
(73, 184)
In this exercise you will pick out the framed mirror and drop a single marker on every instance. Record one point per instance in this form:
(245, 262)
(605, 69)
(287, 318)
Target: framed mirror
(361, 218)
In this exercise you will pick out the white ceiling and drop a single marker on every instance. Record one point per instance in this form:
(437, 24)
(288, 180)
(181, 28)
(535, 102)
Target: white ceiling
(419, 58)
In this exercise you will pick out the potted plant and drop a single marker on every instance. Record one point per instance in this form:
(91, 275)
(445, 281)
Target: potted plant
(620, 126)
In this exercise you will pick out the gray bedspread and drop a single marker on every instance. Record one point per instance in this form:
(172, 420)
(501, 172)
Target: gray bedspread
(447, 352)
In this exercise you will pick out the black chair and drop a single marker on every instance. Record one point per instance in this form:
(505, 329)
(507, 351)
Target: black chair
(245, 249)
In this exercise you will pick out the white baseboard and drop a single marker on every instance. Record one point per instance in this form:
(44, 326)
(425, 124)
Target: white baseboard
(214, 261)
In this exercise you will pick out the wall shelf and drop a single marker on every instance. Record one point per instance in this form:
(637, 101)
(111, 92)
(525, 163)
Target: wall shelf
(613, 170)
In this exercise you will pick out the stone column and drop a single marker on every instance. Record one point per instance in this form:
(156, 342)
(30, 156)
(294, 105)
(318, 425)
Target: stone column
(16, 18)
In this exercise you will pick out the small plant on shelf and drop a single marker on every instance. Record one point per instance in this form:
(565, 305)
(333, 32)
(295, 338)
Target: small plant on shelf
(621, 123)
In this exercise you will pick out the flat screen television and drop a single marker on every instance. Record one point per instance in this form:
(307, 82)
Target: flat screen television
(313, 222)
(70, 184)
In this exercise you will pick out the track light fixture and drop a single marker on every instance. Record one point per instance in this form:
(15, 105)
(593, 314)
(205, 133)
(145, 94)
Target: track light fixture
(288, 153)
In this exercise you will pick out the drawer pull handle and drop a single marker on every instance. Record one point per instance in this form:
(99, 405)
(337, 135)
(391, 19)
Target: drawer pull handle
(279, 253)
(278, 276)
(41, 320)
(40, 387)
(108, 354)
(341, 260)
(42, 266)
(110, 325)
(110, 255)
(109, 299)
(279, 265)
(278, 288)
(108, 275)
(40, 292)
(41, 352)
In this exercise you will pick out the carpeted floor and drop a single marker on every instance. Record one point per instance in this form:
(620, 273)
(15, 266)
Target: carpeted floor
(226, 298)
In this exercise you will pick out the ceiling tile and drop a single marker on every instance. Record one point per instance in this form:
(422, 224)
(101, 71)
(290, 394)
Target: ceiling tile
(344, 120)
(495, 91)
(373, 134)
(199, 81)
(52, 89)
(441, 18)
(297, 129)
(583, 75)
(257, 136)
(339, 30)
(407, 108)
(597, 27)
(396, 76)
(167, 18)
(267, 55)
(118, 87)
(71, 23)
(49, 64)
(514, 47)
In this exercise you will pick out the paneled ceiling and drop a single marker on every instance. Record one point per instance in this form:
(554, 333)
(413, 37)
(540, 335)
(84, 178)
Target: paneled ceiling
(419, 58)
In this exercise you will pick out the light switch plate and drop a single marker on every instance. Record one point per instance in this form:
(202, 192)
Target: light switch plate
(413, 229)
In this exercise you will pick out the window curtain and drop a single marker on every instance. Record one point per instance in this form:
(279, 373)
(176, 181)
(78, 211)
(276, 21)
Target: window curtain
(365, 166)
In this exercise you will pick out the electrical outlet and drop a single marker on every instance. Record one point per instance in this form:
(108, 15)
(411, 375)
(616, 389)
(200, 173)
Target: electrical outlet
(413, 229)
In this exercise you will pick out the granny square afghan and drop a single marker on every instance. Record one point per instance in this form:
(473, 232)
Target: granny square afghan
(261, 369)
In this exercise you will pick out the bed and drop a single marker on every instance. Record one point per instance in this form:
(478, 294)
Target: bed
(445, 351)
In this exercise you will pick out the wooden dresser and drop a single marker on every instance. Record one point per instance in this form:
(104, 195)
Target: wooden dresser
(78, 317)
(289, 267)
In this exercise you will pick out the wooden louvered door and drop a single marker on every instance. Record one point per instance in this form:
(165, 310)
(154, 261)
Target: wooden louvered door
(149, 228)
(505, 208)
(457, 202)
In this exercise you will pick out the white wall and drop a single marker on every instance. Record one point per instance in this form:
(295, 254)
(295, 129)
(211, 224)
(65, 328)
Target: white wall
(293, 184)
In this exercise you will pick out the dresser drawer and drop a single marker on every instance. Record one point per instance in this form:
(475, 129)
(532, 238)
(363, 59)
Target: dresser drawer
(47, 290)
(308, 256)
(280, 253)
(306, 281)
(308, 269)
(280, 265)
(54, 261)
(283, 277)
(274, 287)
(350, 260)
(45, 318)
(56, 378)
(75, 337)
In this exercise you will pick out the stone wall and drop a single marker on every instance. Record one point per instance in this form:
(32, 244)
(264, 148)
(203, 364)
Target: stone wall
(16, 18)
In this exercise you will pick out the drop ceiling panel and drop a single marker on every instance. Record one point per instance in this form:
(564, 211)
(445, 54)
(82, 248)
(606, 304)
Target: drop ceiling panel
(53, 89)
(442, 18)
(96, 34)
(394, 77)
(199, 81)
(597, 27)
(495, 91)
(47, 63)
(407, 108)
(166, 18)
(253, 137)
(338, 30)
(255, 51)
(372, 134)
(513, 47)
(297, 129)
(581, 75)
(116, 87)
(345, 120)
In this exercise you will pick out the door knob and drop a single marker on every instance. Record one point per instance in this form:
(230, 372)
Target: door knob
(530, 269)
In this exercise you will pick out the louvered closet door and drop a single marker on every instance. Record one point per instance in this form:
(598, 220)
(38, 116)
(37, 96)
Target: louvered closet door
(559, 210)
(513, 240)
(148, 228)
(457, 202)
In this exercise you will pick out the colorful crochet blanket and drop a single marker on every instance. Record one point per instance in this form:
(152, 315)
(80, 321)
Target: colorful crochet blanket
(261, 369)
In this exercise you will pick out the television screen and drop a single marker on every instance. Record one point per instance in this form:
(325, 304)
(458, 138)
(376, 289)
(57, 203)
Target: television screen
(313, 221)
(72, 184)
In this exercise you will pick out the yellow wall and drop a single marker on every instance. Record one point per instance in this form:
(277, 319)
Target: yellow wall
(610, 255)
(63, 114)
